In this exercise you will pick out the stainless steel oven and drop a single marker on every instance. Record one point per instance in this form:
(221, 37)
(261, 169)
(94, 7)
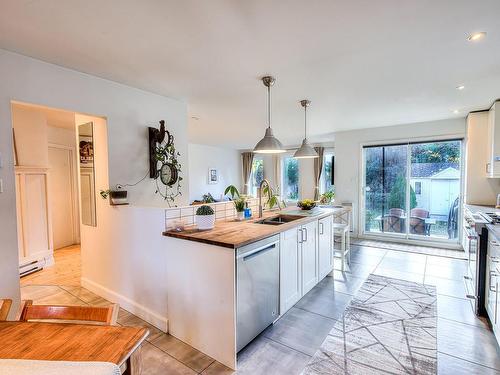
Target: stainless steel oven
(475, 242)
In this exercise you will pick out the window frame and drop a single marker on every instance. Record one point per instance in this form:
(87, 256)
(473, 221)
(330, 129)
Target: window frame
(253, 191)
(288, 155)
(328, 152)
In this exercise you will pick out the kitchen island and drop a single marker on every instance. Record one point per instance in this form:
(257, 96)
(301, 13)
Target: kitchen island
(204, 279)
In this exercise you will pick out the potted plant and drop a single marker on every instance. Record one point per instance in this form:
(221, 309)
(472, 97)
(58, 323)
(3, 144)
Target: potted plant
(327, 197)
(239, 204)
(205, 217)
(273, 198)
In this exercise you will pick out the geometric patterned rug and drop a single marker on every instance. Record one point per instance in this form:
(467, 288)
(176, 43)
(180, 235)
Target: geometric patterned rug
(390, 327)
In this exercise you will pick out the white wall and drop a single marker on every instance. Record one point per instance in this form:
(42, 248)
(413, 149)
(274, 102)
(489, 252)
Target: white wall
(348, 144)
(201, 157)
(30, 127)
(128, 111)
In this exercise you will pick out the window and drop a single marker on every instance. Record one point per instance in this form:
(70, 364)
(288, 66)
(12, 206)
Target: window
(290, 178)
(418, 187)
(412, 190)
(257, 175)
(325, 183)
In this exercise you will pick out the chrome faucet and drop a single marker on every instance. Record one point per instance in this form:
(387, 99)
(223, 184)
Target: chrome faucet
(260, 194)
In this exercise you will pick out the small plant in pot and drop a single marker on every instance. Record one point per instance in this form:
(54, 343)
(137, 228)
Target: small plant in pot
(205, 217)
(239, 204)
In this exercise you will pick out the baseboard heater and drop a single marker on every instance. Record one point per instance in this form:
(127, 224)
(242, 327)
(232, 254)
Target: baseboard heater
(28, 268)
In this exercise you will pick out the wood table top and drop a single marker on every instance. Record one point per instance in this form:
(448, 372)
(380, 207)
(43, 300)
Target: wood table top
(69, 342)
(233, 234)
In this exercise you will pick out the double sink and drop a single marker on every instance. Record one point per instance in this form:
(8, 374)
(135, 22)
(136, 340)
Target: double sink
(279, 219)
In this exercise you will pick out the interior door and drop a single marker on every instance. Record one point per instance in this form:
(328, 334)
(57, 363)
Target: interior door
(61, 196)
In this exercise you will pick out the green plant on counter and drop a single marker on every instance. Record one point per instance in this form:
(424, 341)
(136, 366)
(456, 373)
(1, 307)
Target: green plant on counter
(327, 197)
(204, 211)
(273, 198)
(239, 204)
(207, 198)
(233, 191)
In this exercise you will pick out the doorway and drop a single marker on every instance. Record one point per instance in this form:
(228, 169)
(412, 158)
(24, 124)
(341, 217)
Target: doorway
(411, 191)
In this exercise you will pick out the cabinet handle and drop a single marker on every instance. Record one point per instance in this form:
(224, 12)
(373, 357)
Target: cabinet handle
(305, 231)
(496, 302)
(492, 274)
(322, 229)
(300, 238)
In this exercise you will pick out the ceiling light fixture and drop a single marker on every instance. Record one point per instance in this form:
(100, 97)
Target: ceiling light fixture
(269, 144)
(456, 111)
(306, 150)
(474, 37)
(460, 88)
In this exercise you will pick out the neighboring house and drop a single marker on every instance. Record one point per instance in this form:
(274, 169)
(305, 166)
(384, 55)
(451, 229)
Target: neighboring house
(436, 187)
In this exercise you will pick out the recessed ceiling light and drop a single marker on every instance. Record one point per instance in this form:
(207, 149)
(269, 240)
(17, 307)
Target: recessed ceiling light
(456, 111)
(474, 37)
(461, 87)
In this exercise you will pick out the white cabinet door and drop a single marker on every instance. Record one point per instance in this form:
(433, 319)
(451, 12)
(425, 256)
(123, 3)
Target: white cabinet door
(309, 257)
(325, 254)
(489, 297)
(290, 276)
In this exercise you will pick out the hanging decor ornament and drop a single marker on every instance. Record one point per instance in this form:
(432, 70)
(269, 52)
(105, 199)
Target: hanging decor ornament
(164, 166)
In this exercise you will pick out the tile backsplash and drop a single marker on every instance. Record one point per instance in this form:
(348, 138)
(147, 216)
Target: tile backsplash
(223, 211)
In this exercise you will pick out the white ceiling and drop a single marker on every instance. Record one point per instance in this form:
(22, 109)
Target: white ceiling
(362, 63)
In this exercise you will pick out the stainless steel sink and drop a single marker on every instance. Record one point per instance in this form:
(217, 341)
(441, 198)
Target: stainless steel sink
(278, 219)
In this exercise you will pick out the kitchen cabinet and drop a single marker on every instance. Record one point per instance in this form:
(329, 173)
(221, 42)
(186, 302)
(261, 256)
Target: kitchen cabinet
(493, 142)
(290, 269)
(309, 260)
(325, 246)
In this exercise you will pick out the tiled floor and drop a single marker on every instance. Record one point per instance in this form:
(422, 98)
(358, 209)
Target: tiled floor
(465, 343)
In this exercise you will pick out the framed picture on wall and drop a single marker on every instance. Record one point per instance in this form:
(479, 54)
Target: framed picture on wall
(213, 175)
(86, 149)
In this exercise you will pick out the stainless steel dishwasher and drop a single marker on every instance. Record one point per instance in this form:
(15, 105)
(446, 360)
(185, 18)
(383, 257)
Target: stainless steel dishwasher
(257, 288)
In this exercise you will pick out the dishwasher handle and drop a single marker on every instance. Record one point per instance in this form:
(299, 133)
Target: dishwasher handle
(255, 252)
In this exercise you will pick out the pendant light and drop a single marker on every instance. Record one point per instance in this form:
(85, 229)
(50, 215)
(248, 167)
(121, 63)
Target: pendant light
(269, 144)
(306, 150)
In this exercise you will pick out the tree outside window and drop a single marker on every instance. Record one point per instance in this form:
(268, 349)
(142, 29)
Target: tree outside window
(257, 174)
(290, 178)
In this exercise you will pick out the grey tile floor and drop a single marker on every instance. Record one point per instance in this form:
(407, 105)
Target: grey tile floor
(466, 345)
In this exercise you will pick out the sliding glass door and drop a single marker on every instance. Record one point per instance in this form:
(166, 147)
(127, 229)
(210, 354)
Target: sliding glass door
(412, 190)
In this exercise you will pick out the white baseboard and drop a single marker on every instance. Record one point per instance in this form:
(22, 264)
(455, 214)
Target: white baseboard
(160, 322)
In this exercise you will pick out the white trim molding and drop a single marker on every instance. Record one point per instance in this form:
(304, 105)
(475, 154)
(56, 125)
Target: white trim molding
(155, 319)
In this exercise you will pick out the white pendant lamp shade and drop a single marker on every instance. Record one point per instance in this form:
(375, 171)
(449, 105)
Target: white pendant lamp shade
(306, 150)
(269, 144)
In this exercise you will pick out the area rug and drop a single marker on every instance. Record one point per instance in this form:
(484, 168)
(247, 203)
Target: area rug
(389, 327)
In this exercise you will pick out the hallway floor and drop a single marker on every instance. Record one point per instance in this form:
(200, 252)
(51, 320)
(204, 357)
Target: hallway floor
(466, 344)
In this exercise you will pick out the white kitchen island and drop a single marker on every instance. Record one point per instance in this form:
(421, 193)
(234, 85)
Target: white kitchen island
(202, 273)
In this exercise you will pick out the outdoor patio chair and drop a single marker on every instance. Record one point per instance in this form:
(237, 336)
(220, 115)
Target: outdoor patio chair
(392, 223)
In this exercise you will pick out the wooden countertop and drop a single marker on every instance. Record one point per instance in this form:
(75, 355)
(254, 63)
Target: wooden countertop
(233, 234)
(69, 342)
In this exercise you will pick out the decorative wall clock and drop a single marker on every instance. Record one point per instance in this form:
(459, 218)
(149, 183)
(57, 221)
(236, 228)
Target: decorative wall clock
(163, 164)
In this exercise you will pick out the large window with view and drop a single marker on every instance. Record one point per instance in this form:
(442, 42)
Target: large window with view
(413, 190)
(290, 179)
(257, 175)
(325, 184)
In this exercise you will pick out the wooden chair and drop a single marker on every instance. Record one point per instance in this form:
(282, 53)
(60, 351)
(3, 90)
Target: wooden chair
(69, 314)
(391, 223)
(5, 305)
(398, 212)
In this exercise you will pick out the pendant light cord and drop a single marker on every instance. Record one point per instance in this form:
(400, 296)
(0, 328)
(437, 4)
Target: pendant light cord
(305, 122)
(269, 106)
